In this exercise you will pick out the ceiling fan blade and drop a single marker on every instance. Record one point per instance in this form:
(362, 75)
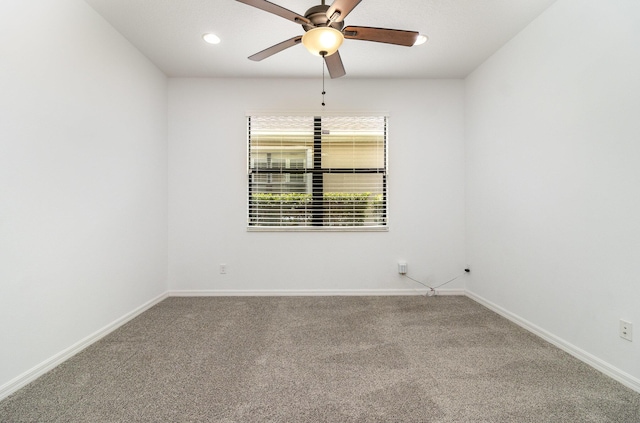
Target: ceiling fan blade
(276, 48)
(381, 35)
(277, 10)
(343, 7)
(335, 66)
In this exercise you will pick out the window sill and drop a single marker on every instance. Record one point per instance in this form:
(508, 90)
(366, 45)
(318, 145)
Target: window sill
(318, 229)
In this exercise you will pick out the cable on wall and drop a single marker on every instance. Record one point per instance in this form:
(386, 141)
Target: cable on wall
(432, 289)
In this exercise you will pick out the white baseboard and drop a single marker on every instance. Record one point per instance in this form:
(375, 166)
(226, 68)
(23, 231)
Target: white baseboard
(593, 361)
(42, 368)
(308, 293)
(449, 292)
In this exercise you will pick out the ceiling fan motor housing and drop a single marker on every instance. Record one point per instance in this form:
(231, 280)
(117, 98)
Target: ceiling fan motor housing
(318, 17)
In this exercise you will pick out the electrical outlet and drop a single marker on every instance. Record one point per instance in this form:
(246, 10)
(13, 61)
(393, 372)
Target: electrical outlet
(626, 330)
(402, 267)
(223, 269)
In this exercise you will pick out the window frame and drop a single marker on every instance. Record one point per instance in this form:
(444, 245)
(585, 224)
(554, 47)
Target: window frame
(317, 172)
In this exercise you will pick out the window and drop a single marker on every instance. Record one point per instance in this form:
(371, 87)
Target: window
(317, 173)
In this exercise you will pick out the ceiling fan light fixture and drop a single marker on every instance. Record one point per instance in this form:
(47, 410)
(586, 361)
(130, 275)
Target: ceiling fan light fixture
(323, 39)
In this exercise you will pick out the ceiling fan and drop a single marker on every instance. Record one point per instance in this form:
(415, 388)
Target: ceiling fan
(325, 31)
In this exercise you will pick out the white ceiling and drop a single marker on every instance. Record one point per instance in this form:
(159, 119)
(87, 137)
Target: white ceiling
(462, 34)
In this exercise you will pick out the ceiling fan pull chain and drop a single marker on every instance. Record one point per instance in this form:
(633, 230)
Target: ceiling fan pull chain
(323, 91)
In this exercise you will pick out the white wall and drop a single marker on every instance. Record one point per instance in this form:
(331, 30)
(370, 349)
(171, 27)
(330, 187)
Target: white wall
(207, 189)
(83, 179)
(553, 177)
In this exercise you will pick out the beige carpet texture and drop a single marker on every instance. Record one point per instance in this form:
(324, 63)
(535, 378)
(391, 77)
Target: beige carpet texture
(322, 359)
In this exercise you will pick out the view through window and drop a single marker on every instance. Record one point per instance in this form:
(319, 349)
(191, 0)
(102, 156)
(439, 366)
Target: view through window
(317, 172)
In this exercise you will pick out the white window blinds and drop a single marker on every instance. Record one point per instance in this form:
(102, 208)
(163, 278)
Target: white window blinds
(310, 172)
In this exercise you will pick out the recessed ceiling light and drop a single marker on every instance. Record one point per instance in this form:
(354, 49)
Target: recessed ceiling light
(211, 38)
(421, 40)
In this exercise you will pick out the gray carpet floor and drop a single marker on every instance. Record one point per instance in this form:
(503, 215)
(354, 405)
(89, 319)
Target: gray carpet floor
(322, 359)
